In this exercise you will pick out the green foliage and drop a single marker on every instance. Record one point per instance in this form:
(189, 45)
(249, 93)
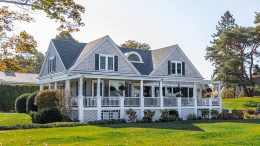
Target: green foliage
(131, 115)
(9, 93)
(20, 103)
(204, 113)
(48, 99)
(169, 115)
(30, 103)
(228, 92)
(135, 45)
(46, 115)
(148, 116)
(66, 37)
(191, 117)
(214, 114)
(112, 121)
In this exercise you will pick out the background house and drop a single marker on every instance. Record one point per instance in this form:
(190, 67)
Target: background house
(19, 78)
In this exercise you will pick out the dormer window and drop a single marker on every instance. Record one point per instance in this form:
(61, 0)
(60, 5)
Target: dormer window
(176, 68)
(106, 62)
(52, 64)
(134, 57)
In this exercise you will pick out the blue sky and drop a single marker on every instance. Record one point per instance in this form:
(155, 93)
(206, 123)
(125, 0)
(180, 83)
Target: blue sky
(189, 24)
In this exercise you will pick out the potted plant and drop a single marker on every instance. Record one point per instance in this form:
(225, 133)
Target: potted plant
(121, 87)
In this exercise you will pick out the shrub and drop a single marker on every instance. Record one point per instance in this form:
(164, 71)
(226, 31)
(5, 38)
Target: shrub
(228, 93)
(30, 103)
(46, 115)
(48, 98)
(169, 115)
(258, 109)
(148, 116)
(237, 114)
(112, 121)
(191, 117)
(131, 115)
(204, 113)
(250, 111)
(20, 103)
(214, 114)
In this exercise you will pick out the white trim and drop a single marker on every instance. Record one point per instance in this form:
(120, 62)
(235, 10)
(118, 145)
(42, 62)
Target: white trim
(106, 62)
(176, 68)
(134, 53)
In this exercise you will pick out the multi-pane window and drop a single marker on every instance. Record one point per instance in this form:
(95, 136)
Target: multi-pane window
(52, 64)
(176, 68)
(95, 89)
(106, 62)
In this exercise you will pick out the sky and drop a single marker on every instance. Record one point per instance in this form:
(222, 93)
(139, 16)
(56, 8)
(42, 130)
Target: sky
(159, 23)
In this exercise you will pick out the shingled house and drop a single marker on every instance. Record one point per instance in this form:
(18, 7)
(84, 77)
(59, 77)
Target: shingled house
(102, 80)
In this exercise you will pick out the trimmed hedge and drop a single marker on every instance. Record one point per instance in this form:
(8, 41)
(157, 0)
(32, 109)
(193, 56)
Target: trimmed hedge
(46, 115)
(9, 93)
(30, 103)
(20, 103)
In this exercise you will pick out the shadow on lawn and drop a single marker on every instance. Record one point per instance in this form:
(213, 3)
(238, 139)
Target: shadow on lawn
(177, 125)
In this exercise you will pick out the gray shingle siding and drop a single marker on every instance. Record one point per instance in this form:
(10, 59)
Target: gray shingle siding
(88, 64)
(176, 55)
(52, 53)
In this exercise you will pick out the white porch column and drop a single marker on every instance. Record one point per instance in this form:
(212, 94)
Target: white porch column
(49, 86)
(80, 100)
(41, 87)
(67, 91)
(179, 106)
(195, 97)
(210, 107)
(161, 94)
(142, 97)
(55, 85)
(98, 100)
(219, 97)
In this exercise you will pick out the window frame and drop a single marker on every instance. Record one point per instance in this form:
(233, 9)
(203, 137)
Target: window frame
(106, 62)
(51, 63)
(134, 53)
(176, 67)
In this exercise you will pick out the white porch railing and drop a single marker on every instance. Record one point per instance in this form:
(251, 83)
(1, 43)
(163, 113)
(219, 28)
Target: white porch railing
(203, 101)
(185, 101)
(110, 101)
(132, 101)
(90, 101)
(215, 101)
(151, 101)
(170, 102)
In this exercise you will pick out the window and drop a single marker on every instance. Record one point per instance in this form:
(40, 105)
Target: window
(134, 57)
(95, 89)
(106, 62)
(176, 68)
(52, 64)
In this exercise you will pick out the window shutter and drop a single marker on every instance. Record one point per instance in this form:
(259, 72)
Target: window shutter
(77, 88)
(116, 63)
(96, 61)
(54, 64)
(48, 66)
(183, 68)
(169, 67)
(85, 88)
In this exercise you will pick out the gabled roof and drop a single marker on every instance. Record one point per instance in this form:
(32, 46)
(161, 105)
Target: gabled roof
(159, 54)
(146, 67)
(68, 51)
(18, 78)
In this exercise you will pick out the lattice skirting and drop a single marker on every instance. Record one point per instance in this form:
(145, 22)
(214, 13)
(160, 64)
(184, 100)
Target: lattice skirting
(90, 115)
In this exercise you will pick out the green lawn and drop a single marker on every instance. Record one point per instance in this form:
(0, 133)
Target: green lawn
(241, 103)
(239, 132)
(14, 118)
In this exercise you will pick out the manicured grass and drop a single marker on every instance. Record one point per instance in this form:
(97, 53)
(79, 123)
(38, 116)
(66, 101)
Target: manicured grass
(14, 118)
(236, 132)
(241, 103)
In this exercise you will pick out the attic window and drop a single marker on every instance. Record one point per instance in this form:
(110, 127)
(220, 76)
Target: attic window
(134, 57)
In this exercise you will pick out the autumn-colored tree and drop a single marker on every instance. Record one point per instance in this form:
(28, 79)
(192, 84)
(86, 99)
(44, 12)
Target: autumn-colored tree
(135, 45)
(18, 50)
(66, 37)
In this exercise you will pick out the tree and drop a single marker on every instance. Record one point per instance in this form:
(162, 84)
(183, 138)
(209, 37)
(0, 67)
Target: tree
(136, 45)
(66, 36)
(18, 50)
